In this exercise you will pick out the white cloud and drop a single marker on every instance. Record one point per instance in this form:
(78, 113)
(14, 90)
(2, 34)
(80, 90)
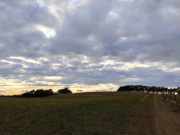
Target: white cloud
(48, 32)
(53, 77)
(25, 59)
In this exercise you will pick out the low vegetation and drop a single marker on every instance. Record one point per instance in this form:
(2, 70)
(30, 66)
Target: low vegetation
(77, 114)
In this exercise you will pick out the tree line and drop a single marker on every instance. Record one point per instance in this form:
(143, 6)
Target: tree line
(152, 89)
(42, 93)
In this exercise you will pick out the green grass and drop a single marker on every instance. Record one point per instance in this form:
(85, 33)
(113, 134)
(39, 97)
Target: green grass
(76, 114)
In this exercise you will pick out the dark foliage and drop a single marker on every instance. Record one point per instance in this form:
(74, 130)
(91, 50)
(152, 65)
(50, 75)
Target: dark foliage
(64, 91)
(38, 93)
(146, 88)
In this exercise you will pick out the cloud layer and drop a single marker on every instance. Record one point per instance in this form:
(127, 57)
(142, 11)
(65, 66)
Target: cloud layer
(89, 44)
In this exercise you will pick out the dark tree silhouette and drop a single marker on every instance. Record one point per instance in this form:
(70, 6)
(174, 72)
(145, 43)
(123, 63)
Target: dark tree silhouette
(64, 91)
(142, 88)
(38, 93)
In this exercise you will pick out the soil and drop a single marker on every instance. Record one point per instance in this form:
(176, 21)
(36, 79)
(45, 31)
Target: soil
(153, 116)
(167, 121)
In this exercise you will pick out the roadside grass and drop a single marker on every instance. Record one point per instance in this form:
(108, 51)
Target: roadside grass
(178, 99)
(177, 108)
(171, 98)
(175, 102)
(76, 114)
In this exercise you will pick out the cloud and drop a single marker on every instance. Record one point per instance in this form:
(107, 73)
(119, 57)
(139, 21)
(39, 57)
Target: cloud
(92, 43)
(19, 33)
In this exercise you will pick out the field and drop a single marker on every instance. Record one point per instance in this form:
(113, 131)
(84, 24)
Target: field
(112, 113)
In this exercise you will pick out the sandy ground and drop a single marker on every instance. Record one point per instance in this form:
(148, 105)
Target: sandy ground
(153, 116)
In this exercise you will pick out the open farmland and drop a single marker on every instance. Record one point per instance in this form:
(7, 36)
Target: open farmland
(78, 114)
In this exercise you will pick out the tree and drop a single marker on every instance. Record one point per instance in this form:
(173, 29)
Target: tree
(64, 91)
(38, 93)
(142, 88)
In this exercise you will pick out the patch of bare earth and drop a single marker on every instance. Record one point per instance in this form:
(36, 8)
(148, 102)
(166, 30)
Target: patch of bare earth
(167, 121)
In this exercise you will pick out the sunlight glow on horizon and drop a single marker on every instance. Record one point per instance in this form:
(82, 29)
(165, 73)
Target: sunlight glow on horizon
(17, 90)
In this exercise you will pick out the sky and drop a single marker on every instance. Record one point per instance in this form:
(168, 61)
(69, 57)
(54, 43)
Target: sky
(89, 45)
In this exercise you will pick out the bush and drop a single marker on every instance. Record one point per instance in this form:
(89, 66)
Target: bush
(64, 91)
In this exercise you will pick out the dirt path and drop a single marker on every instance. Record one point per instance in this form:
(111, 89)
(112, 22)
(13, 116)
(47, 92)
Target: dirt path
(166, 121)
(153, 116)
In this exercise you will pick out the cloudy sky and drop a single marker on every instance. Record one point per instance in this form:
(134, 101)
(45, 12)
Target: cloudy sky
(92, 45)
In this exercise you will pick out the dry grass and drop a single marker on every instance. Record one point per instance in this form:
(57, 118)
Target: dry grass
(175, 104)
(76, 114)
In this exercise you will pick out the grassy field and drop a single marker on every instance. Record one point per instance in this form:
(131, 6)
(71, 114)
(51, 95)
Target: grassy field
(76, 114)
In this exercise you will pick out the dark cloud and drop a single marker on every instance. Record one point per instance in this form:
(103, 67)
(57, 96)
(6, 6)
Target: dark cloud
(90, 42)
(19, 35)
